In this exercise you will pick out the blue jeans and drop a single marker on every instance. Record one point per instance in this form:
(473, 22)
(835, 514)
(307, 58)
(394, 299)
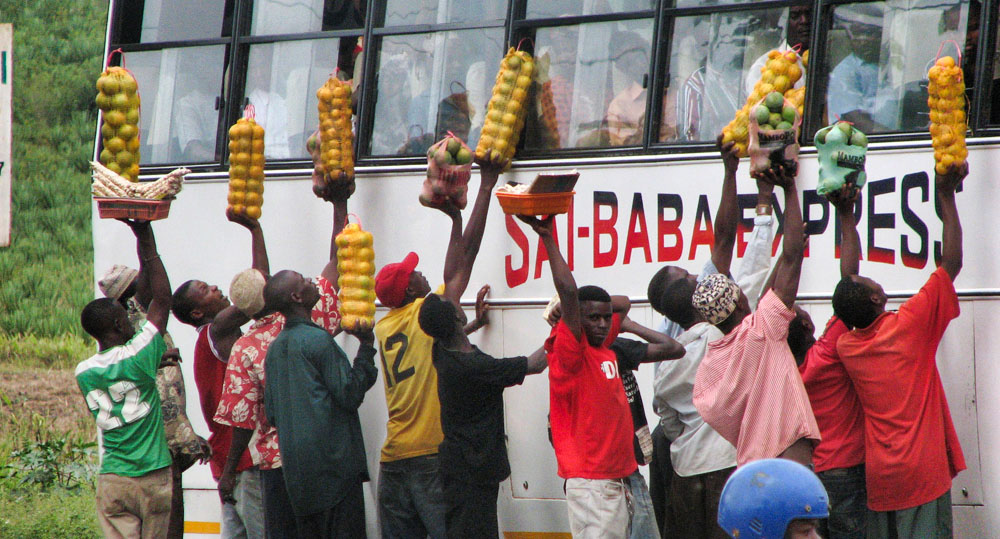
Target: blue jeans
(848, 502)
(643, 516)
(245, 520)
(411, 499)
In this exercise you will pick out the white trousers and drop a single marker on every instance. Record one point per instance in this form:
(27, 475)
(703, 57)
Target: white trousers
(598, 508)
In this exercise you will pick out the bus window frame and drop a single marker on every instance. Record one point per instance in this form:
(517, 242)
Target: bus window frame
(516, 27)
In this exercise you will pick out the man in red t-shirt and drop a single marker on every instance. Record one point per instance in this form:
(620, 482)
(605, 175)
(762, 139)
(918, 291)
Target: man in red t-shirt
(839, 458)
(591, 421)
(911, 448)
(204, 307)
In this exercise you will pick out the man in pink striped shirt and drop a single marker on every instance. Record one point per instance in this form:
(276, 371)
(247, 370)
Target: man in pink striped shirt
(748, 387)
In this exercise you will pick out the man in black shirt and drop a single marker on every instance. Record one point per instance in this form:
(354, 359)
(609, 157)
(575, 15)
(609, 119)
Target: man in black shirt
(470, 387)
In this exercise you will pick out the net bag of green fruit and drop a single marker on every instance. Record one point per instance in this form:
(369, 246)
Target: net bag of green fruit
(774, 134)
(449, 166)
(841, 149)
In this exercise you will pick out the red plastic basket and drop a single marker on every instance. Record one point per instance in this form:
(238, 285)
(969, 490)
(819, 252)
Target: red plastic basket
(535, 204)
(132, 208)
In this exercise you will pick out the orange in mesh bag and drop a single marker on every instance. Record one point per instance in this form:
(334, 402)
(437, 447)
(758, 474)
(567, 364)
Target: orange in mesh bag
(449, 166)
(774, 134)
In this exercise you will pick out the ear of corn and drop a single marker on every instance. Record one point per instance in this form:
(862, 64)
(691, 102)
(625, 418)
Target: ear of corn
(779, 74)
(356, 265)
(108, 183)
(946, 100)
(336, 141)
(246, 167)
(506, 110)
(118, 99)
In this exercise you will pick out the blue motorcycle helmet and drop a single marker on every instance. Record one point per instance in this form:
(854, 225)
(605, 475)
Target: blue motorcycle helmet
(763, 497)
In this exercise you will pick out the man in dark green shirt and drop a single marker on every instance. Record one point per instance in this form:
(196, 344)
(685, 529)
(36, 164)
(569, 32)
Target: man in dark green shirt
(312, 397)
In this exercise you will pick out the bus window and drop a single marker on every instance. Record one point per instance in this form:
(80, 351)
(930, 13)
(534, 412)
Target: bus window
(283, 93)
(709, 52)
(409, 12)
(179, 87)
(151, 21)
(995, 84)
(430, 84)
(272, 17)
(543, 9)
(595, 75)
(880, 53)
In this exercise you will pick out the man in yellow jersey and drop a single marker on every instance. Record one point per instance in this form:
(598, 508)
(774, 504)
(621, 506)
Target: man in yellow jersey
(410, 499)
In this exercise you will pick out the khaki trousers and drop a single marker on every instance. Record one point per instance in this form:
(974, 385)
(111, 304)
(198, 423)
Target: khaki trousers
(598, 508)
(134, 507)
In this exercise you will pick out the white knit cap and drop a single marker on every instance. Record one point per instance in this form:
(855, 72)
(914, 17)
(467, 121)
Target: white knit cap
(247, 291)
(116, 281)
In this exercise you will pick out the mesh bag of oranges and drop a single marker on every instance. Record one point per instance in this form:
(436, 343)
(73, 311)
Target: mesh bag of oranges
(779, 74)
(246, 165)
(946, 100)
(449, 167)
(774, 134)
(356, 266)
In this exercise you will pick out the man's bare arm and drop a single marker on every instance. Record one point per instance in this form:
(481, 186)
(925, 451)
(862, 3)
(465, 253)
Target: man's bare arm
(257, 246)
(330, 271)
(660, 347)
(159, 285)
(537, 361)
(727, 217)
(786, 280)
(561, 274)
(850, 242)
(951, 233)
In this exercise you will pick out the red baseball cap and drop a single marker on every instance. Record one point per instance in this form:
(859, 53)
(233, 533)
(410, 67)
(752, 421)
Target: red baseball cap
(392, 280)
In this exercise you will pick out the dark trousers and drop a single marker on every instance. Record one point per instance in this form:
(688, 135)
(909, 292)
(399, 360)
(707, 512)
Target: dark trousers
(176, 530)
(410, 498)
(848, 503)
(279, 520)
(694, 506)
(661, 471)
(346, 520)
(470, 510)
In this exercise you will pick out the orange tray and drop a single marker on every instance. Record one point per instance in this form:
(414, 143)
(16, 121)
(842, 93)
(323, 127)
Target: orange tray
(132, 208)
(536, 204)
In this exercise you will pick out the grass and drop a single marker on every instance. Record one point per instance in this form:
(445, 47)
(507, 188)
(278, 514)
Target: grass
(29, 514)
(47, 270)
(29, 351)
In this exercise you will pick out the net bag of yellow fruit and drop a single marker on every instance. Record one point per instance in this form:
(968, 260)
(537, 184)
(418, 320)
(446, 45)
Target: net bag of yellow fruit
(246, 165)
(449, 166)
(118, 99)
(774, 134)
(946, 100)
(505, 112)
(356, 266)
(842, 150)
(779, 74)
(336, 139)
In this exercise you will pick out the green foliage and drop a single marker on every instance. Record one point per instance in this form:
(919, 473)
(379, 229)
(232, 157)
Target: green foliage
(29, 351)
(55, 513)
(55, 462)
(48, 269)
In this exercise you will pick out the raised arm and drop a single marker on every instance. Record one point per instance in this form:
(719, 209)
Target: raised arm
(537, 361)
(462, 250)
(786, 279)
(951, 234)
(850, 242)
(660, 347)
(482, 311)
(159, 285)
(257, 245)
(727, 216)
(349, 385)
(339, 199)
(561, 274)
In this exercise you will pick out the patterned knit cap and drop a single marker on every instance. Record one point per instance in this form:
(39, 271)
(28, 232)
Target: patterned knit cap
(247, 291)
(116, 281)
(715, 297)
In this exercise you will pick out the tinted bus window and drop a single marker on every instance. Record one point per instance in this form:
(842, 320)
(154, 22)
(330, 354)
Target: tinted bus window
(543, 9)
(179, 89)
(879, 55)
(430, 84)
(715, 61)
(151, 21)
(405, 12)
(299, 16)
(593, 79)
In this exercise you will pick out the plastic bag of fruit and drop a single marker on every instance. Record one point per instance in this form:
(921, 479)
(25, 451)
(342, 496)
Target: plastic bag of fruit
(842, 150)
(449, 166)
(774, 134)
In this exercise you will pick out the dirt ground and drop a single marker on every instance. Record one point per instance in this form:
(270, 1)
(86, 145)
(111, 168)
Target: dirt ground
(52, 394)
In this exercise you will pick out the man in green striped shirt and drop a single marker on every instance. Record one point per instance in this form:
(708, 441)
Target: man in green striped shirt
(119, 386)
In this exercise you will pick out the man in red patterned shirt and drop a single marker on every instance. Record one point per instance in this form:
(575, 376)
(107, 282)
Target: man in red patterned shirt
(242, 402)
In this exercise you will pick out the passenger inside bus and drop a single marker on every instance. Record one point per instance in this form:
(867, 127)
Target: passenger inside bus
(854, 93)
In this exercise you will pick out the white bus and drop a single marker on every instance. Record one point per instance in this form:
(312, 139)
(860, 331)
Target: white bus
(646, 195)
